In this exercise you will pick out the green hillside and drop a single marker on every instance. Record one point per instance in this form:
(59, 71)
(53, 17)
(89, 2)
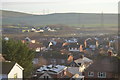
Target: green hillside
(71, 19)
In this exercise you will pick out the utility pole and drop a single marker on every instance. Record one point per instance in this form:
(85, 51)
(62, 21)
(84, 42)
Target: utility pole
(102, 19)
(79, 19)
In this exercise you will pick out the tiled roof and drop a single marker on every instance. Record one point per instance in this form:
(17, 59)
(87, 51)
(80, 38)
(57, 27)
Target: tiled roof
(105, 65)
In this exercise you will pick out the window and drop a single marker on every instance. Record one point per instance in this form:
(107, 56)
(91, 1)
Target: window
(46, 77)
(15, 75)
(90, 74)
(101, 75)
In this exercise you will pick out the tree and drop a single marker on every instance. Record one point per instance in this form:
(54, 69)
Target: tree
(18, 52)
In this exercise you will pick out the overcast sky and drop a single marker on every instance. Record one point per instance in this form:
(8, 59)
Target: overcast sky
(61, 6)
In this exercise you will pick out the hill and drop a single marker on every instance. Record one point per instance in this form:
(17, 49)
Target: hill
(71, 19)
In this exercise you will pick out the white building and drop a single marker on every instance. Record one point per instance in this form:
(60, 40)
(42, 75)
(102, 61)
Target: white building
(11, 70)
(6, 38)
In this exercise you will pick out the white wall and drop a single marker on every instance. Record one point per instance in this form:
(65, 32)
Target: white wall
(16, 69)
(82, 68)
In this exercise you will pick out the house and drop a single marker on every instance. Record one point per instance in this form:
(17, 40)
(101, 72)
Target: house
(11, 70)
(74, 47)
(51, 71)
(64, 51)
(27, 39)
(105, 68)
(6, 38)
(33, 29)
(82, 63)
(91, 42)
(37, 47)
(75, 71)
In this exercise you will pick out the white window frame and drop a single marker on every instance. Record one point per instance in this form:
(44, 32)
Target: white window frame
(100, 74)
(90, 74)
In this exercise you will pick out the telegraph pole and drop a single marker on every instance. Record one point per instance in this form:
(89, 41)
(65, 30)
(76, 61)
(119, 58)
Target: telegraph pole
(102, 19)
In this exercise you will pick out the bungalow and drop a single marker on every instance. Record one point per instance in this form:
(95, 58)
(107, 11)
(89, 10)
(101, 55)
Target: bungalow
(11, 70)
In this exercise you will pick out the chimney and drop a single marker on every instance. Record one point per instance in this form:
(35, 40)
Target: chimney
(81, 48)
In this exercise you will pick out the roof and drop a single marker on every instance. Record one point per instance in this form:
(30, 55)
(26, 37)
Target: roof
(6, 67)
(34, 45)
(80, 55)
(68, 74)
(53, 69)
(74, 45)
(74, 70)
(77, 76)
(83, 60)
(104, 65)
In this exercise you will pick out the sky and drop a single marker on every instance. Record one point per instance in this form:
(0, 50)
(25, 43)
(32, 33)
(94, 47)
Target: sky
(60, 6)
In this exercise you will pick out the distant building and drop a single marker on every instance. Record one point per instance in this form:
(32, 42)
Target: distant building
(6, 38)
(28, 39)
(74, 47)
(11, 70)
(73, 40)
(33, 29)
(36, 47)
